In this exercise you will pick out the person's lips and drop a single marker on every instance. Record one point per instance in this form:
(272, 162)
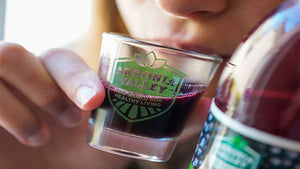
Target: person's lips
(189, 46)
(195, 48)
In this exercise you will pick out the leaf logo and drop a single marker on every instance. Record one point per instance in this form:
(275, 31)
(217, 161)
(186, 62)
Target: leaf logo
(149, 60)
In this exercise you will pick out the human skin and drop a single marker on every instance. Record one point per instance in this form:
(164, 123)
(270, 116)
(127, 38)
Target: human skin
(35, 91)
(214, 26)
(217, 26)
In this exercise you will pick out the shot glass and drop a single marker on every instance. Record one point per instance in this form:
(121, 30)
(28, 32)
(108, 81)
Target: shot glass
(150, 91)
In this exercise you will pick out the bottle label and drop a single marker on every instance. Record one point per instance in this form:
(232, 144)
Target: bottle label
(233, 152)
(222, 147)
(140, 83)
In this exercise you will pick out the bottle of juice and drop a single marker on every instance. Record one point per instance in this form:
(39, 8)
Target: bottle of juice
(254, 120)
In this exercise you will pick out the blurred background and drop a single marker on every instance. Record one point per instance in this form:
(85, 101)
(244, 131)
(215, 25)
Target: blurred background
(2, 17)
(41, 24)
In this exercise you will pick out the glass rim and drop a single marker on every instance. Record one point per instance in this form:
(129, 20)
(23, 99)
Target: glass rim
(130, 40)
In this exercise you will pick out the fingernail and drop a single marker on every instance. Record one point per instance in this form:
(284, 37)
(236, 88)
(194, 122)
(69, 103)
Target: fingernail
(84, 95)
(71, 117)
(38, 139)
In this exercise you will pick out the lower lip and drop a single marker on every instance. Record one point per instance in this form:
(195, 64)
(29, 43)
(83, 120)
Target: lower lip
(188, 47)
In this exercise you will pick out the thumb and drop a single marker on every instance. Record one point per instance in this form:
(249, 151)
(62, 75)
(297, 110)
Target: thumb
(80, 83)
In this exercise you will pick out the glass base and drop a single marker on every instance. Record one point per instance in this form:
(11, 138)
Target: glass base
(109, 140)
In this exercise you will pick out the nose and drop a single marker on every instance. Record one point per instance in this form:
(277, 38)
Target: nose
(184, 8)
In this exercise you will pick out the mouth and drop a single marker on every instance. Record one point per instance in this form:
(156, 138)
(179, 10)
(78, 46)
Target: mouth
(189, 47)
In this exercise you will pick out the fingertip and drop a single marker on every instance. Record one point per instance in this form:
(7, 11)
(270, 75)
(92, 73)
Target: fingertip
(89, 97)
(84, 94)
(71, 117)
(39, 138)
(53, 52)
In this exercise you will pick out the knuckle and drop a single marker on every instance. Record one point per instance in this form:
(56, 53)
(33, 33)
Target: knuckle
(28, 127)
(9, 54)
(52, 101)
(52, 53)
(48, 97)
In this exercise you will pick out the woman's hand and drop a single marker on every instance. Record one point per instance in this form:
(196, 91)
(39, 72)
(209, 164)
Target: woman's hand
(57, 84)
(44, 103)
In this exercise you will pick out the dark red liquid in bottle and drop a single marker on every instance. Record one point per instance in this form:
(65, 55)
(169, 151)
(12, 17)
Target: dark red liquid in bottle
(254, 120)
(273, 103)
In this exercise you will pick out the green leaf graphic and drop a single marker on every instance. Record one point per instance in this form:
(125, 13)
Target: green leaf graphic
(159, 63)
(149, 60)
(140, 59)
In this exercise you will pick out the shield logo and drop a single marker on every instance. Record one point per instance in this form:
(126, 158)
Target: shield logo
(143, 87)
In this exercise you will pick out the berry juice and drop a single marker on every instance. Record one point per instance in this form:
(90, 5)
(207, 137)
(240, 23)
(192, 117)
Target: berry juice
(273, 103)
(150, 92)
(166, 125)
(254, 120)
(262, 130)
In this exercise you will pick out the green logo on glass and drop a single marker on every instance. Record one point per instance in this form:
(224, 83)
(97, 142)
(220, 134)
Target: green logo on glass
(144, 87)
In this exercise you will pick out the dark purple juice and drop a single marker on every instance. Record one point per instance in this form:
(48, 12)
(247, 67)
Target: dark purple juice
(168, 124)
(254, 120)
(273, 103)
(259, 127)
